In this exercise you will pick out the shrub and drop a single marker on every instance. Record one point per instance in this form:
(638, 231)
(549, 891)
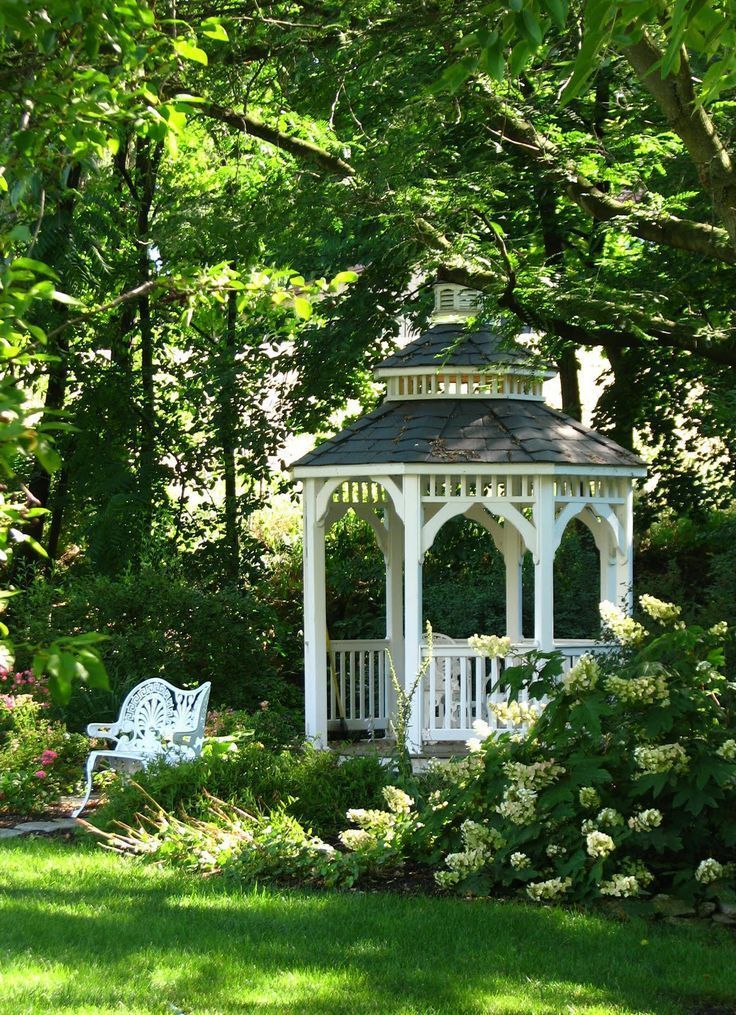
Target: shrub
(623, 784)
(39, 760)
(273, 726)
(272, 846)
(312, 786)
(159, 624)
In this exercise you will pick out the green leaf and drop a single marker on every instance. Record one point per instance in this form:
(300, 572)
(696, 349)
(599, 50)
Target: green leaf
(65, 298)
(557, 10)
(38, 266)
(188, 51)
(531, 27)
(212, 28)
(455, 76)
(47, 455)
(345, 277)
(302, 308)
(7, 654)
(492, 60)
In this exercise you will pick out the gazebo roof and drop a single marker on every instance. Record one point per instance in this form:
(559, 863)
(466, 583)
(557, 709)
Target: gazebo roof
(494, 431)
(451, 344)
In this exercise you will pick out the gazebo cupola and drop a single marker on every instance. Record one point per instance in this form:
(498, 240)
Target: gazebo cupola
(463, 430)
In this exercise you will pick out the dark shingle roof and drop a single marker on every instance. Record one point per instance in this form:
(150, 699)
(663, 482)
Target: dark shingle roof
(441, 431)
(453, 345)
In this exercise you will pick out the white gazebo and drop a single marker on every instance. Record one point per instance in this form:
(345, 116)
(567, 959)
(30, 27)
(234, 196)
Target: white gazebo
(463, 430)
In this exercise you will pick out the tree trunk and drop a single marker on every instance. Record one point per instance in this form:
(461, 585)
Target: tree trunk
(567, 361)
(227, 434)
(146, 166)
(60, 224)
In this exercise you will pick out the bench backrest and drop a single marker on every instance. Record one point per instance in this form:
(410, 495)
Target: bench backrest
(155, 710)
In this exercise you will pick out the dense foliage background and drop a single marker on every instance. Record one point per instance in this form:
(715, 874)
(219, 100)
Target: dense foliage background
(170, 181)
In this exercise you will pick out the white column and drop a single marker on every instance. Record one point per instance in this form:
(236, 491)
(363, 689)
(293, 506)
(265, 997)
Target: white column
(413, 603)
(513, 555)
(544, 558)
(394, 602)
(609, 566)
(625, 564)
(315, 620)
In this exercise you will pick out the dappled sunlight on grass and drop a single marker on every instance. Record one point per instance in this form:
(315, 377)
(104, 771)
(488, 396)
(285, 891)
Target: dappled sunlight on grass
(84, 931)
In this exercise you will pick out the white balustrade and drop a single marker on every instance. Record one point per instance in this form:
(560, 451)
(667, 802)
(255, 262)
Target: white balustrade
(454, 692)
(358, 690)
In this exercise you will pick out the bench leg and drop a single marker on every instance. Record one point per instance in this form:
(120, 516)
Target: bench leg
(88, 789)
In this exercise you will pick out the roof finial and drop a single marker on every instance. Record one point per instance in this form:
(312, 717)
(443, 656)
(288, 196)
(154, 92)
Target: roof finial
(453, 302)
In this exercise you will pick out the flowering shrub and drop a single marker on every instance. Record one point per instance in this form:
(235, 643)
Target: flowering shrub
(13, 685)
(39, 760)
(623, 782)
(272, 845)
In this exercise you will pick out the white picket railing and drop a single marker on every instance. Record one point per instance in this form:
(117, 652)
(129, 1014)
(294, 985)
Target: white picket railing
(358, 684)
(453, 693)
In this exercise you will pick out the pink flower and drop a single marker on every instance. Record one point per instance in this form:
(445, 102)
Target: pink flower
(40, 774)
(8, 700)
(48, 757)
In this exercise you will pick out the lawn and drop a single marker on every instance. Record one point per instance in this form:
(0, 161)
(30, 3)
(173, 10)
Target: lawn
(86, 931)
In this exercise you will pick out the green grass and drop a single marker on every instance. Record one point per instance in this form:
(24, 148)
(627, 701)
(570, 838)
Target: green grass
(86, 931)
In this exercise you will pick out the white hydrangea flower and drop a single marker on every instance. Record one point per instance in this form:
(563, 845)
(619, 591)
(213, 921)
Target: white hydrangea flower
(543, 891)
(623, 886)
(657, 609)
(589, 825)
(624, 628)
(599, 844)
(477, 836)
(518, 805)
(490, 645)
(534, 776)
(636, 869)
(709, 870)
(727, 750)
(356, 839)
(720, 630)
(397, 801)
(661, 758)
(553, 850)
(581, 677)
(520, 861)
(588, 796)
(645, 821)
(650, 689)
(610, 816)
(515, 713)
(374, 821)
(466, 863)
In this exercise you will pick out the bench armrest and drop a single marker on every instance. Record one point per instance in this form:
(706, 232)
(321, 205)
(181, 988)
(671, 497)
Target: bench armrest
(184, 738)
(108, 730)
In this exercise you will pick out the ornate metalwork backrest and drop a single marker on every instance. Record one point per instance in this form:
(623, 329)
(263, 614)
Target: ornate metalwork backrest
(155, 710)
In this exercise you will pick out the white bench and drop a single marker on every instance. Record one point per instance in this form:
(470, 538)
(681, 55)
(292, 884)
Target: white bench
(156, 721)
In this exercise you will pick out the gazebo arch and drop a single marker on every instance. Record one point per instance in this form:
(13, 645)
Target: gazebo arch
(463, 430)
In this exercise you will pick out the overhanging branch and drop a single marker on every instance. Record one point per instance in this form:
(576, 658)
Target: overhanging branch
(253, 125)
(509, 126)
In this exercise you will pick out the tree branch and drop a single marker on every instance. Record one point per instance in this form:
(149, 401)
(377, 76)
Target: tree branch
(253, 125)
(675, 96)
(621, 336)
(666, 230)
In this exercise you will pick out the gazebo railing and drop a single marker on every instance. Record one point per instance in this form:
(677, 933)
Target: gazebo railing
(358, 687)
(453, 691)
